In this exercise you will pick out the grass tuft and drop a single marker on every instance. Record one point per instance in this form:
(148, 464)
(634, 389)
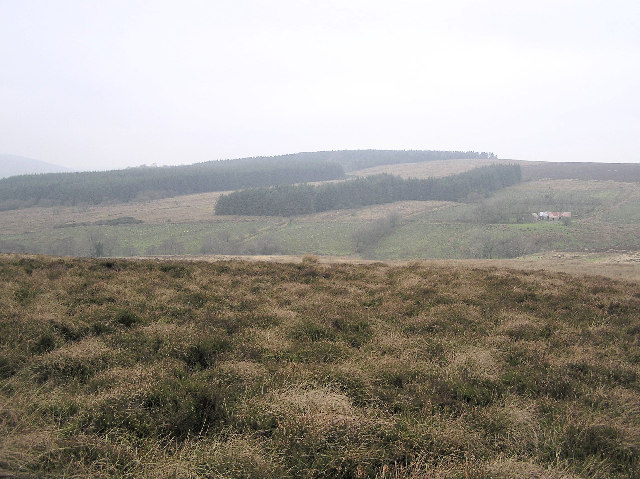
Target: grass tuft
(253, 369)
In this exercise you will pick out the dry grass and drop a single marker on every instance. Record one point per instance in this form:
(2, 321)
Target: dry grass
(614, 265)
(182, 209)
(405, 209)
(120, 368)
(427, 169)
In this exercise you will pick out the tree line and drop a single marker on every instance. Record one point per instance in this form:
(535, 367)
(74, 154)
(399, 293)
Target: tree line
(160, 182)
(290, 200)
(157, 182)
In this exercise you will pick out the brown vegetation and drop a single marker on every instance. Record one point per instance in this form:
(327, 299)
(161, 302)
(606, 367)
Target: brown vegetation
(430, 169)
(623, 265)
(113, 368)
(181, 209)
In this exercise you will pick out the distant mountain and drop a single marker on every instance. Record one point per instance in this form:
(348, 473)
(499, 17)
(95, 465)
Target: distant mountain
(12, 165)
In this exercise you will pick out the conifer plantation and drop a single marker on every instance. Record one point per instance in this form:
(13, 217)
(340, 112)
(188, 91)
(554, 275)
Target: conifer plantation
(292, 200)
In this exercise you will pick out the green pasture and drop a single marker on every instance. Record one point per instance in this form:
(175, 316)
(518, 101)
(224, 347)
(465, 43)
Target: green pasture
(606, 216)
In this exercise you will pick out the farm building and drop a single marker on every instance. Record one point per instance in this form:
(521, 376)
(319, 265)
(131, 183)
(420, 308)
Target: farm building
(552, 215)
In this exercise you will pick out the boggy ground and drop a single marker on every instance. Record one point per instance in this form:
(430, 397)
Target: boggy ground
(122, 368)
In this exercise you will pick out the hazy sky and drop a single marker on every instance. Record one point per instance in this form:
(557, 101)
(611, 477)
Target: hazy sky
(96, 84)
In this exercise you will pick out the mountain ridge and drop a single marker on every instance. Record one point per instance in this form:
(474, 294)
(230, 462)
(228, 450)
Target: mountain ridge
(14, 165)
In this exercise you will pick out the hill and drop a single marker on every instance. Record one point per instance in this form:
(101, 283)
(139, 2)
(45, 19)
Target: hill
(622, 172)
(113, 368)
(100, 187)
(353, 160)
(97, 187)
(12, 165)
(292, 200)
(606, 221)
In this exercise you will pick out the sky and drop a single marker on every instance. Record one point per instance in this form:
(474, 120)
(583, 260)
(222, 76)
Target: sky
(93, 84)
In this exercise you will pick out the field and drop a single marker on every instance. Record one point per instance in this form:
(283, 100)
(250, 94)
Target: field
(146, 368)
(428, 169)
(182, 209)
(606, 218)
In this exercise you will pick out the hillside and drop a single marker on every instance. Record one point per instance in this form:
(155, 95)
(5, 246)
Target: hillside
(296, 200)
(131, 184)
(353, 160)
(236, 369)
(429, 169)
(12, 165)
(622, 172)
(606, 220)
(102, 187)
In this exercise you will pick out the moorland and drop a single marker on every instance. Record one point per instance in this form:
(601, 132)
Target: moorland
(439, 335)
(152, 368)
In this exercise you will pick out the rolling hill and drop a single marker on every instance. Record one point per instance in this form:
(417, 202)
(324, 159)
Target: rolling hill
(98, 187)
(606, 221)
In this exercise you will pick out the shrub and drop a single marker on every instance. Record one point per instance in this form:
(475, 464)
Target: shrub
(127, 318)
(203, 353)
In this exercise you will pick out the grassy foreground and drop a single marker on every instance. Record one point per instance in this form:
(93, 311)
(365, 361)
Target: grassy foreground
(253, 369)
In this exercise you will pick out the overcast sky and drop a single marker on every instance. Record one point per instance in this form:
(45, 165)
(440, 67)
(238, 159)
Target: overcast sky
(97, 84)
